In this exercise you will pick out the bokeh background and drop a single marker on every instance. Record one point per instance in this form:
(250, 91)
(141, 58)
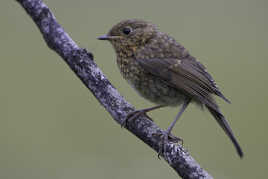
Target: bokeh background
(51, 126)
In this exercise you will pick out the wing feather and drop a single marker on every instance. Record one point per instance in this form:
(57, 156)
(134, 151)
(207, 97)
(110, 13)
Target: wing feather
(186, 75)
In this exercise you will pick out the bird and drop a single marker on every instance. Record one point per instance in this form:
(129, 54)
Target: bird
(162, 71)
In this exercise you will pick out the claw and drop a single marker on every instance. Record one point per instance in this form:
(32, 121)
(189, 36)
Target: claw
(133, 115)
(162, 144)
(165, 138)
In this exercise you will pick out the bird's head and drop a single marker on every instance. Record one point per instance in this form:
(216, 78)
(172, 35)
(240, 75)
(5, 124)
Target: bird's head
(128, 35)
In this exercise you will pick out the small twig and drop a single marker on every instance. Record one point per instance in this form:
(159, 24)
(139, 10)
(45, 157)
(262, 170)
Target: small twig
(81, 62)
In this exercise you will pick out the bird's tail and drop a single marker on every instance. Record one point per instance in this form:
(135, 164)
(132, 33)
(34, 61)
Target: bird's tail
(227, 129)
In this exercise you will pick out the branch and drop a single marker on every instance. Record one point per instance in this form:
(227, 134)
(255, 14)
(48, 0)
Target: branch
(81, 62)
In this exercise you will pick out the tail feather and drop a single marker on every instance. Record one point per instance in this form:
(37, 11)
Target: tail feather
(227, 129)
(222, 96)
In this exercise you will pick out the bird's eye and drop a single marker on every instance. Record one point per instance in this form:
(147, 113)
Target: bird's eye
(126, 30)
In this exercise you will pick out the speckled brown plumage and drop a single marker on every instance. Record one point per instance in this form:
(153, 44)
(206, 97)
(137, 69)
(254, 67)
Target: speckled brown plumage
(162, 70)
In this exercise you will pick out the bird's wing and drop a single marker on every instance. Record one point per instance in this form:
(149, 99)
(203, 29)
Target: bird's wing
(190, 76)
(208, 78)
(185, 74)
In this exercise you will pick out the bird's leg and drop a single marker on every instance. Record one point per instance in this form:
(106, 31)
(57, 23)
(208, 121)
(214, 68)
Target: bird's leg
(164, 138)
(137, 113)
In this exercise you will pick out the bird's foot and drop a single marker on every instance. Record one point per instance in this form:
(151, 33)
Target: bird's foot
(133, 115)
(165, 138)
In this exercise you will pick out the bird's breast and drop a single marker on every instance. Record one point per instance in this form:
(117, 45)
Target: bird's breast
(147, 85)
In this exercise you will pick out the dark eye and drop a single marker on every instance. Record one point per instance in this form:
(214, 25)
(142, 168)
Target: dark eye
(126, 30)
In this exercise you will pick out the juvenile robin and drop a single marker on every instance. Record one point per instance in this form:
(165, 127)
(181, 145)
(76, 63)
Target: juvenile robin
(162, 71)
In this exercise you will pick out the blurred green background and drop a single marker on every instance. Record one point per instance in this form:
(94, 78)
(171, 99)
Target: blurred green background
(52, 127)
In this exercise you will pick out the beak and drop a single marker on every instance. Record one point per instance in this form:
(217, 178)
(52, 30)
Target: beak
(104, 37)
(107, 37)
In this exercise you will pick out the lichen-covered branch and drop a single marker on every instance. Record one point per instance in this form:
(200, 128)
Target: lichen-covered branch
(81, 62)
